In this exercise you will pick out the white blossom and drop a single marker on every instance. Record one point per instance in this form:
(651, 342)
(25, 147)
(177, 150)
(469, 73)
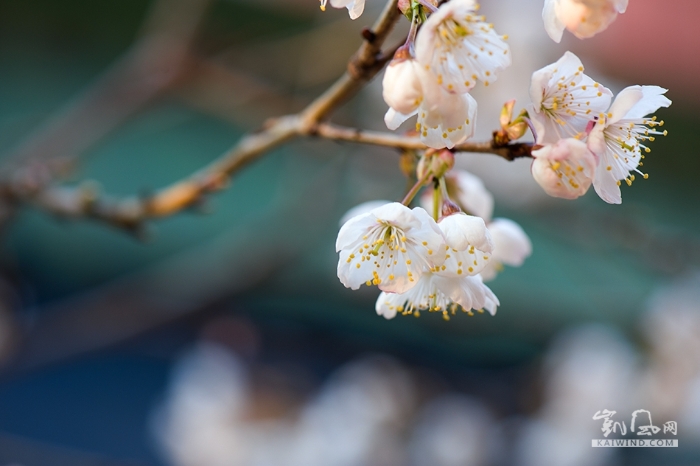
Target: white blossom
(455, 283)
(583, 18)
(564, 169)
(468, 244)
(391, 247)
(436, 292)
(565, 100)
(459, 47)
(355, 7)
(444, 119)
(618, 138)
(511, 246)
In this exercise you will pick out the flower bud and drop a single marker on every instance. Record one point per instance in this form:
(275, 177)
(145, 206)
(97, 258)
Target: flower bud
(449, 208)
(401, 87)
(438, 163)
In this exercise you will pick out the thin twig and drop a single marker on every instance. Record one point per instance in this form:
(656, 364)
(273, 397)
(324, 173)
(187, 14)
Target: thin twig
(377, 138)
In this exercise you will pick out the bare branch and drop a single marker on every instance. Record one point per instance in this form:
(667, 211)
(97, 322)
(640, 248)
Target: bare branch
(131, 212)
(377, 138)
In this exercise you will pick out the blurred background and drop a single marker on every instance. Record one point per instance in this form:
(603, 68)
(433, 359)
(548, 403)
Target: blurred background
(222, 337)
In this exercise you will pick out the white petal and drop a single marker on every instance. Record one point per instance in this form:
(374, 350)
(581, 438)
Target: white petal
(361, 209)
(511, 245)
(462, 231)
(472, 195)
(652, 100)
(387, 303)
(469, 292)
(491, 302)
(539, 83)
(356, 9)
(354, 228)
(394, 119)
(552, 24)
(401, 86)
(606, 186)
(447, 120)
(624, 102)
(469, 244)
(398, 215)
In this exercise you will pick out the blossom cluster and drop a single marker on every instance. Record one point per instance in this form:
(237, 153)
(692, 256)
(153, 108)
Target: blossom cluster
(432, 75)
(585, 140)
(439, 261)
(425, 265)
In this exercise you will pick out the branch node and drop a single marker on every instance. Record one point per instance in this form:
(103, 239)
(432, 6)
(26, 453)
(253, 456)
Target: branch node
(368, 35)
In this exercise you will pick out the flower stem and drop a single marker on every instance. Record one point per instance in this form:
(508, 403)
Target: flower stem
(416, 187)
(411, 38)
(437, 202)
(531, 126)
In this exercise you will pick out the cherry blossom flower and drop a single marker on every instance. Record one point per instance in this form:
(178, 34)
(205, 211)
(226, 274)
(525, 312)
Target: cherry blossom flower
(511, 246)
(444, 119)
(564, 100)
(438, 293)
(355, 7)
(583, 18)
(468, 244)
(455, 283)
(390, 246)
(618, 138)
(564, 169)
(459, 47)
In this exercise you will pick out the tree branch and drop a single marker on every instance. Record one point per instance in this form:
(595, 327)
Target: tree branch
(131, 212)
(377, 138)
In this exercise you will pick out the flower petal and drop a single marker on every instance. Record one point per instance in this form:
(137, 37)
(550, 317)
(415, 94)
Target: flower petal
(552, 24)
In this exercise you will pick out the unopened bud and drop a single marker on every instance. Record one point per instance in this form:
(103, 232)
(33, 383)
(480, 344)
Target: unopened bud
(449, 208)
(435, 162)
(443, 162)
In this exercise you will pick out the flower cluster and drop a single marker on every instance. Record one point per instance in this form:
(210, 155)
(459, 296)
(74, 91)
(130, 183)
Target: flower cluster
(418, 263)
(439, 261)
(432, 75)
(585, 140)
